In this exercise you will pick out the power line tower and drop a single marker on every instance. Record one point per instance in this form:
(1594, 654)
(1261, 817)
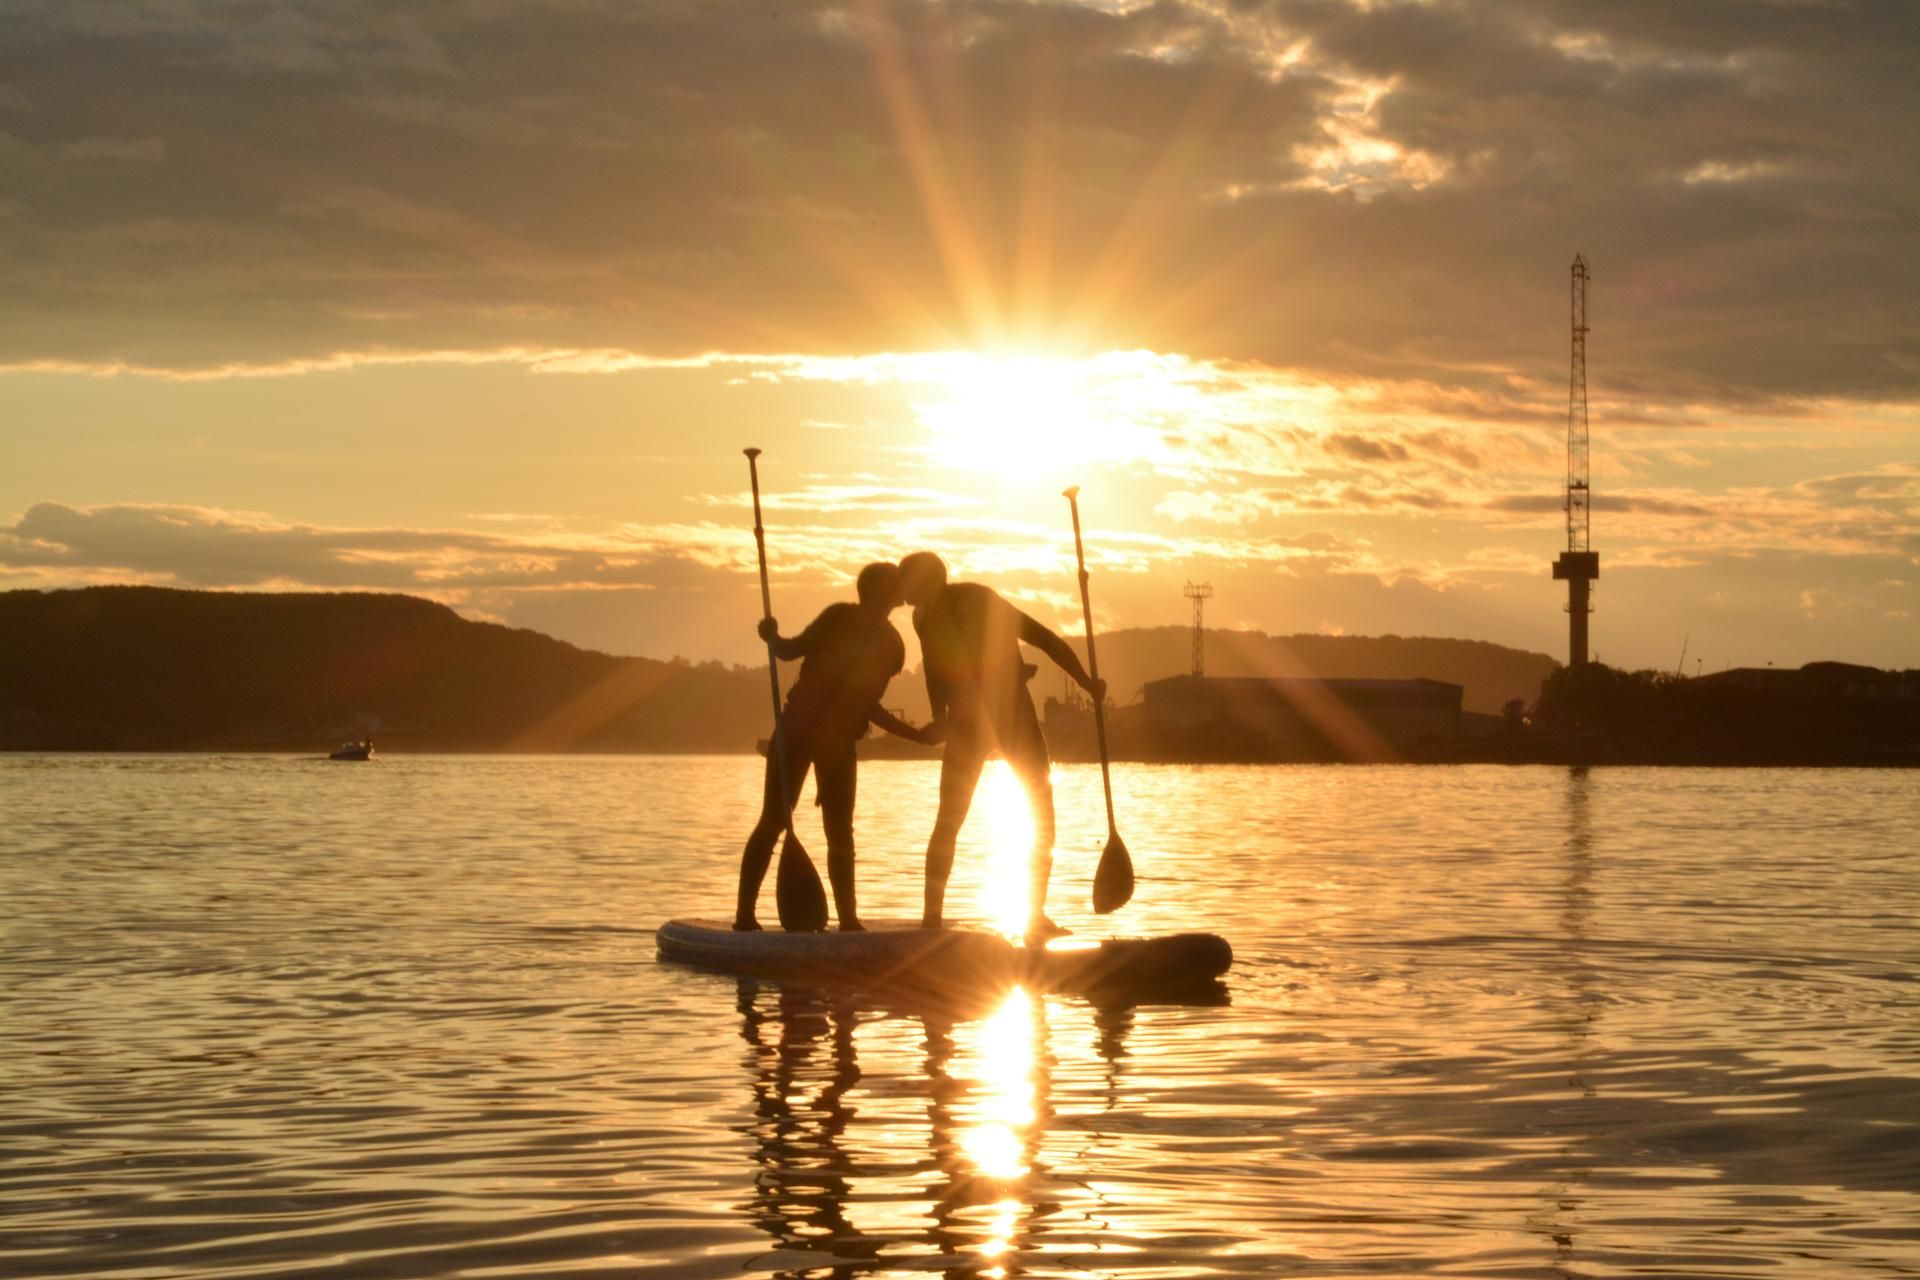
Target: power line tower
(1199, 593)
(1579, 564)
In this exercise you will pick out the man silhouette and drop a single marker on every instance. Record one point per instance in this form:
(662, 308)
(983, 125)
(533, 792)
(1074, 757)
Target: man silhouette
(977, 684)
(850, 653)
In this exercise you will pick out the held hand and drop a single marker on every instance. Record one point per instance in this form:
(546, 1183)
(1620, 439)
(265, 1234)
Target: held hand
(769, 630)
(1096, 689)
(933, 733)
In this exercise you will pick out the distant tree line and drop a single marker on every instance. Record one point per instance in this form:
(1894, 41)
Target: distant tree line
(1823, 713)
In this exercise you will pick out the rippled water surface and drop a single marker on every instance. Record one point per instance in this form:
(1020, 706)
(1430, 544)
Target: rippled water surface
(272, 1017)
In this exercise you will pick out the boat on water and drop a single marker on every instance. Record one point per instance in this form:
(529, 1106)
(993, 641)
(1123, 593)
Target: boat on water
(953, 961)
(361, 750)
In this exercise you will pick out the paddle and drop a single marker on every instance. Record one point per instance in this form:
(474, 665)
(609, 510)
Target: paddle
(797, 893)
(1113, 879)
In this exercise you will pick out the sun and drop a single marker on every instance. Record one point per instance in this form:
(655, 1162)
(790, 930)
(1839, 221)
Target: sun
(1027, 419)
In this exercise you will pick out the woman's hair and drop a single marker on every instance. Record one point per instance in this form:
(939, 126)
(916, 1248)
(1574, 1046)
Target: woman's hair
(879, 581)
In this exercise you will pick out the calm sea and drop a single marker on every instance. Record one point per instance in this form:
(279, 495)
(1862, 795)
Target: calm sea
(262, 1016)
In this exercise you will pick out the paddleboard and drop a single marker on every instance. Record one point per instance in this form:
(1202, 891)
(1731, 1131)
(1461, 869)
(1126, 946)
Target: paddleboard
(955, 961)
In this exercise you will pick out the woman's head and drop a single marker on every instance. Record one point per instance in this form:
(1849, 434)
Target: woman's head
(879, 585)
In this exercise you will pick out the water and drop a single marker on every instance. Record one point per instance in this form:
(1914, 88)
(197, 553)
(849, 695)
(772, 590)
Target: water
(275, 1017)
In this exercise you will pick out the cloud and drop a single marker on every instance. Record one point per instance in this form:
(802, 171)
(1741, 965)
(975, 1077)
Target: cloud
(1893, 488)
(1365, 449)
(1229, 508)
(1736, 573)
(204, 547)
(210, 548)
(847, 499)
(1342, 189)
(148, 150)
(1608, 503)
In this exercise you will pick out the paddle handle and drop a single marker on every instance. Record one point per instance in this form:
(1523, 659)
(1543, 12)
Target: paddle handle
(773, 657)
(1072, 496)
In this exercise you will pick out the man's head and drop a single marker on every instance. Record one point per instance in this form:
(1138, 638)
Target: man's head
(923, 575)
(879, 586)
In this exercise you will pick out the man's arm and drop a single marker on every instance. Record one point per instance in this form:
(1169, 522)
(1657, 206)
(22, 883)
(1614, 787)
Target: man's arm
(1048, 642)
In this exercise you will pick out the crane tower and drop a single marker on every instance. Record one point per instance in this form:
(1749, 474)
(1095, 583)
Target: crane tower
(1199, 593)
(1579, 564)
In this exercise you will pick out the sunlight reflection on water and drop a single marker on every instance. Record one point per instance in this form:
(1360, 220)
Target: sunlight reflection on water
(275, 1017)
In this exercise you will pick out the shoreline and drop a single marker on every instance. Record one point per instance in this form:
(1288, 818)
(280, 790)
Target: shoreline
(1543, 758)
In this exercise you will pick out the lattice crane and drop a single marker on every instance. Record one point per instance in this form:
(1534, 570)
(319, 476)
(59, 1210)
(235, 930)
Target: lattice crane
(1579, 564)
(1199, 593)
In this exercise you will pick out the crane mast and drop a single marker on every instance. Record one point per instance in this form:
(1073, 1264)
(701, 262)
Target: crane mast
(1199, 593)
(1578, 528)
(1579, 564)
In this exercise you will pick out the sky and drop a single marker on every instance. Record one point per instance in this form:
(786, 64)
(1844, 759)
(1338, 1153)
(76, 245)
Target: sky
(481, 300)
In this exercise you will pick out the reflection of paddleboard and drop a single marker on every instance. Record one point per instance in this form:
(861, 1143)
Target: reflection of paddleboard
(950, 960)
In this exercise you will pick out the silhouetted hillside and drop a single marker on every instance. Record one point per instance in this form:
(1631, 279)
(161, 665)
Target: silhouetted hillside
(1489, 674)
(145, 668)
(141, 668)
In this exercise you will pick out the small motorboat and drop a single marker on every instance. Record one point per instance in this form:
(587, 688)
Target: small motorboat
(361, 750)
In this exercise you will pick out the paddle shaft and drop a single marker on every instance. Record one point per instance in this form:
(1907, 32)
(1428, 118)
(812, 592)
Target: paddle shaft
(1093, 662)
(773, 656)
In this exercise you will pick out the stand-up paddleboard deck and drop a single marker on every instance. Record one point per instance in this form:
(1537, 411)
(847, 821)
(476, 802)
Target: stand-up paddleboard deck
(951, 960)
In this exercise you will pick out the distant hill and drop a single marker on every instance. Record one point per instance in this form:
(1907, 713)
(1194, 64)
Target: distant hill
(147, 668)
(142, 668)
(1490, 674)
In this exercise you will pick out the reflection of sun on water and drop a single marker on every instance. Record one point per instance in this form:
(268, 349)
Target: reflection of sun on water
(1000, 1235)
(996, 1141)
(1005, 892)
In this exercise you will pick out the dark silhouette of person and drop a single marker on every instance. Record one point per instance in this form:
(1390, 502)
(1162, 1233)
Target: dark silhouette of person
(977, 684)
(849, 654)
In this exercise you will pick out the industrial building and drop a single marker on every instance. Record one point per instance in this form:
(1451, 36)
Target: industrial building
(1202, 718)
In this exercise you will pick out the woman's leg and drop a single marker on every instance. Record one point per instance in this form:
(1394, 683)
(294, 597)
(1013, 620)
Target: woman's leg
(837, 777)
(758, 854)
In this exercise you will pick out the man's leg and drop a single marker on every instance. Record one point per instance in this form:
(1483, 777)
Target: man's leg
(759, 851)
(1027, 753)
(959, 774)
(836, 776)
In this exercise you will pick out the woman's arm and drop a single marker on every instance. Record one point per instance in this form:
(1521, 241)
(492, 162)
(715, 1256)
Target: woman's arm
(899, 728)
(791, 648)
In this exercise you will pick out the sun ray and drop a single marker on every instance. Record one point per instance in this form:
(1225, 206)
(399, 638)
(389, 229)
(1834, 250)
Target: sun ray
(930, 165)
(1005, 890)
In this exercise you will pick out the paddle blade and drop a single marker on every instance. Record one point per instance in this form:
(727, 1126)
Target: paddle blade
(1113, 879)
(798, 894)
